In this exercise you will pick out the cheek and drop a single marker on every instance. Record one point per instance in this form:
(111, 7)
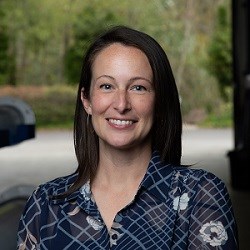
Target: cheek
(146, 107)
(99, 104)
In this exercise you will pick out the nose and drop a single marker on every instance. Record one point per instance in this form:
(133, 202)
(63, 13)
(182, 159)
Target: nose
(122, 101)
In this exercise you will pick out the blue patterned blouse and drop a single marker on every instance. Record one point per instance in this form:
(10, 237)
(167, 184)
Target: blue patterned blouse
(175, 208)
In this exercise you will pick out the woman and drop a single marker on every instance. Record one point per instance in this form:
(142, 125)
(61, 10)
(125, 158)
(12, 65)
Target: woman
(129, 190)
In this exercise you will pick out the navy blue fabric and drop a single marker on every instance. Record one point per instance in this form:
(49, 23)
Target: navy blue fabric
(175, 208)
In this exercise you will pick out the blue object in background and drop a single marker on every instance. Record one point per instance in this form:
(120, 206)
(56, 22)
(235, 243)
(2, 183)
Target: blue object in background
(17, 121)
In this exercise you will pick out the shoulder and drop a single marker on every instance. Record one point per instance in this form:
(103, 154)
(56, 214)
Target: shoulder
(200, 188)
(55, 187)
(197, 180)
(40, 200)
(170, 173)
(187, 173)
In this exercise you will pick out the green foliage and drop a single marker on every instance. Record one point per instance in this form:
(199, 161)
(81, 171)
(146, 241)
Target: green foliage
(222, 118)
(85, 30)
(54, 106)
(220, 53)
(4, 65)
(46, 41)
(61, 103)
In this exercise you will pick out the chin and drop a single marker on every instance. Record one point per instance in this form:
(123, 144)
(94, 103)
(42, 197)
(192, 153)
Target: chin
(121, 146)
(128, 145)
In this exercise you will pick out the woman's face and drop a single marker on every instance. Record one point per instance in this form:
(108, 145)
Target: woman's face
(122, 97)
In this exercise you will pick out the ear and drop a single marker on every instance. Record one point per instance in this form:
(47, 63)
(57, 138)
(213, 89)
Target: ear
(86, 102)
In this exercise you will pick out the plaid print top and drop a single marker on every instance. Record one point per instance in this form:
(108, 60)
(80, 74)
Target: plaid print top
(175, 208)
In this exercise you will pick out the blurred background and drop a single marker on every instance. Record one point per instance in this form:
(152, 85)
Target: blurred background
(41, 49)
(42, 45)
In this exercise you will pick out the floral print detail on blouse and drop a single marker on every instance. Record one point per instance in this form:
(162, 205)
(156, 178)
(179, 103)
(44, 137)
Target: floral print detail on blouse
(74, 212)
(97, 225)
(214, 233)
(29, 240)
(181, 202)
(175, 208)
(85, 191)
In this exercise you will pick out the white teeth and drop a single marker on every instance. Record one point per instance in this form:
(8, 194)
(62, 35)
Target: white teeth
(120, 122)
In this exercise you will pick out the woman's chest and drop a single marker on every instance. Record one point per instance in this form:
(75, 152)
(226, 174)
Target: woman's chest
(145, 224)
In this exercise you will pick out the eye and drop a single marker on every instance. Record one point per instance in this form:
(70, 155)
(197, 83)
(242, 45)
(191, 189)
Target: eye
(138, 88)
(106, 86)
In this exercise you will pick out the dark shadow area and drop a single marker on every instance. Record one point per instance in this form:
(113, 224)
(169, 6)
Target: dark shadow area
(9, 218)
(241, 203)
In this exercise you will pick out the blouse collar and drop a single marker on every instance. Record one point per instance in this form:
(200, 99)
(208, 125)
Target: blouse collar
(157, 181)
(158, 178)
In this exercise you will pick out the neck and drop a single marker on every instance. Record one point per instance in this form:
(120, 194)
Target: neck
(121, 168)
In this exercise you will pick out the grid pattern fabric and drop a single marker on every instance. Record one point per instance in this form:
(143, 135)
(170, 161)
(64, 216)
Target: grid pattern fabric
(175, 208)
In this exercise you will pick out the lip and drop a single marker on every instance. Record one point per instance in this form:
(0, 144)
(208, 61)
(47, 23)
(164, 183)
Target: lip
(120, 123)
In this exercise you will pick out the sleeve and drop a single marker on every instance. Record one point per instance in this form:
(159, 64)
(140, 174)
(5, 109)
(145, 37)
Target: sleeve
(29, 226)
(212, 223)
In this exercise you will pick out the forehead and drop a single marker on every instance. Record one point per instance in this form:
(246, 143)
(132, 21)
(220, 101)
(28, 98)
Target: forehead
(119, 48)
(117, 54)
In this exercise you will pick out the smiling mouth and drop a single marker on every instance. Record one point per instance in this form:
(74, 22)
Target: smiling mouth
(120, 122)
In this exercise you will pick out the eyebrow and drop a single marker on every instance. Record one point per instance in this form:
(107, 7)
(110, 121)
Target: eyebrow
(140, 78)
(105, 76)
(130, 80)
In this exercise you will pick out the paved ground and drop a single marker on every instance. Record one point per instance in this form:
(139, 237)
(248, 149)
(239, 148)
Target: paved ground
(51, 155)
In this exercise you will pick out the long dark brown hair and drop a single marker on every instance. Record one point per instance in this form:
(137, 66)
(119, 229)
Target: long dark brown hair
(167, 126)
